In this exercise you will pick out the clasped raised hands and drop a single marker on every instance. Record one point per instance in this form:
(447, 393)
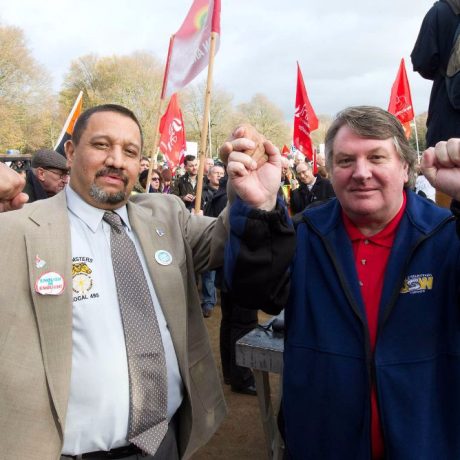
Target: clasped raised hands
(255, 180)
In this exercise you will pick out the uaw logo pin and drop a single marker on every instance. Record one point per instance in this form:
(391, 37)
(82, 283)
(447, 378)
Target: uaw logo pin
(163, 257)
(160, 232)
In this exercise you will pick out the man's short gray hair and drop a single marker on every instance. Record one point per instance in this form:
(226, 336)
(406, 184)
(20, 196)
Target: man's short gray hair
(373, 123)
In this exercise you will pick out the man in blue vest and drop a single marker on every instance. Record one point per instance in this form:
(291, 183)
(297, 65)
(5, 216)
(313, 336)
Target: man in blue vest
(370, 286)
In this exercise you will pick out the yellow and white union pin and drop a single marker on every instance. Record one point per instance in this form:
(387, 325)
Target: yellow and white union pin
(163, 257)
(50, 283)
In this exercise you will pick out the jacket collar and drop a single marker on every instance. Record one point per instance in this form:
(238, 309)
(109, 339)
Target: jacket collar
(422, 214)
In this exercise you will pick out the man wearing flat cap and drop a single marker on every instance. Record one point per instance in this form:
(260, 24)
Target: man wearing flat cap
(49, 175)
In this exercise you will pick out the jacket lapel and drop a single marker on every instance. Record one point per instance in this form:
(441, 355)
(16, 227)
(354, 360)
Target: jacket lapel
(48, 250)
(153, 236)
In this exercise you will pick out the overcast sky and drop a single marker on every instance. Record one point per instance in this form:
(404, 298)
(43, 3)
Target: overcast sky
(349, 52)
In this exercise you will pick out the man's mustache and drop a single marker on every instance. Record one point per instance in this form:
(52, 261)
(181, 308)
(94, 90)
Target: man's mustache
(113, 172)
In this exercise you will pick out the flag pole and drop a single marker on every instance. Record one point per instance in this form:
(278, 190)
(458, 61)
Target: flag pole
(416, 141)
(156, 140)
(210, 134)
(204, 126)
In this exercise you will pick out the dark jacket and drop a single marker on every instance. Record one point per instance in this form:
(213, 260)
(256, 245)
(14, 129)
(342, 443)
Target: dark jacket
(33, 188)
(182, 186)
(301, 197)
(429, 58)
(219, 200)
(206, 198)
(328, 365)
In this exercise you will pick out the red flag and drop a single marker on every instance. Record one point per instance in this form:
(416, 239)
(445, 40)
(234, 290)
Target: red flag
(285, 151)
(69, 124)
(400, 100)
(315, 165)
(172, 129)
(188, 51)
(305, 120)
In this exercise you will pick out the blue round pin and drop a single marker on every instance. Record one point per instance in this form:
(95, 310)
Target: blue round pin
(163, 257)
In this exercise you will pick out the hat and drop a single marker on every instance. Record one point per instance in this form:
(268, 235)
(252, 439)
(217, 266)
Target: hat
(49, 159)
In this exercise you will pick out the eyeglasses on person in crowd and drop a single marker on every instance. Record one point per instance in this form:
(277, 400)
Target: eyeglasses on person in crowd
(61, 174)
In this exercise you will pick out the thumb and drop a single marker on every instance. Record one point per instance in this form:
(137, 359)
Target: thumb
(428, 166)
(273, 153)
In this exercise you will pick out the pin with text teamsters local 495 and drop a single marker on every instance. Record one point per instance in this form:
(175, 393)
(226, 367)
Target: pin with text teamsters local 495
(50, 283)
(163, 257)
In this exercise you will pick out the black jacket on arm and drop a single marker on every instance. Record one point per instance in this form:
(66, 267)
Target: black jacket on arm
(430, 57)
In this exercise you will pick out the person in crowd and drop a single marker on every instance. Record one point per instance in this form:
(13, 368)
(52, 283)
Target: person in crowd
(286, 173)
(208, 290)
(371, 298)
(156, 184)
(298, 158)
(311, 189)
(104, 352)
(48, 175)
(321, 165)
(430, 57)
(166, 177)
(185, 186)
(208, 164)
(145, 164)
(11, 186)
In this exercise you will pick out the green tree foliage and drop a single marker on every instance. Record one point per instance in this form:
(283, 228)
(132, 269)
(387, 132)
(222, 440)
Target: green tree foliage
(133, 81)
(27, 106)
(222, 115)
(267, 118)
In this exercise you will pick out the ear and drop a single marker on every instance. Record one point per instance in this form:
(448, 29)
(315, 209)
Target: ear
(40, 174)
(69, 149)
(406, 172)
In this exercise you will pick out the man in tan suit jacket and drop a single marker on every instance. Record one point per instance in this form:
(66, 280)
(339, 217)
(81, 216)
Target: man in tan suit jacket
(36, 330)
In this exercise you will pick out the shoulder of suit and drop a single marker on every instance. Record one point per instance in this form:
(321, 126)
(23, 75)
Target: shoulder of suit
(38, 211)
(151, 200)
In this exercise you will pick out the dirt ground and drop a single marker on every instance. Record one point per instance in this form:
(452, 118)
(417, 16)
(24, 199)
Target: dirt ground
(240, 436)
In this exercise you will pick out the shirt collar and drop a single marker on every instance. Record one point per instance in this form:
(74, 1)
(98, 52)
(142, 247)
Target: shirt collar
(383, 238)
(90, 215)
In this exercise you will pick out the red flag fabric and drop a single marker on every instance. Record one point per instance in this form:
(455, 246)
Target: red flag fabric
(305, 120)
(188, 51)
(285, 151)
(315, 164)
(172, 129)
(400, 99)
(69, 124)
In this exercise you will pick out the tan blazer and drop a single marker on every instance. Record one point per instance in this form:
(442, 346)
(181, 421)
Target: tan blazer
(36, 330)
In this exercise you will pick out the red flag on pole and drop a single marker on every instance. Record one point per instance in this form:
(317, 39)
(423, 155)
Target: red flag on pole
(188, 51)
(285, 151)
(305, 120)
(400, 100)
(172, 129)
(67, 129)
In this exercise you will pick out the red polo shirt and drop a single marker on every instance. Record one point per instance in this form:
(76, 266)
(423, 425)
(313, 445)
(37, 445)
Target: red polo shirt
(371, 257)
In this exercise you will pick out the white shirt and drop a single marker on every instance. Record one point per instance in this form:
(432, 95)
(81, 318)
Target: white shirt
(98, 409)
